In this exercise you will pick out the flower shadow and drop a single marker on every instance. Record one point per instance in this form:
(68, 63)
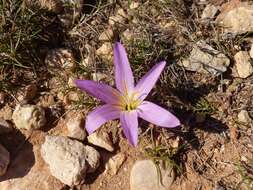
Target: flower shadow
(182, 103)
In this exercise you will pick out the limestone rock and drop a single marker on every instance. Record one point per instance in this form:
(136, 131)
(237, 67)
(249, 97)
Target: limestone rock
(134, 5)
(204, 59)
(71, 96)
(115, 163)
(92, 158)
(209, 12)
(243, 116)
(144, 175)
(107, 35)
(6, 112)
(119, 17)
(101, 140)
(69, 160)
(243, 64)
(71, 82)
(4, 160)
(5, 127)
(75, 126)
(237, 19)
(98, 76)
(60, 59)
(29, 117)
(105, 51)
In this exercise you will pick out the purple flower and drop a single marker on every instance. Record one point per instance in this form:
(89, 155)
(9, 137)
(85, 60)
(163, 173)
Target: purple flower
(127, 101)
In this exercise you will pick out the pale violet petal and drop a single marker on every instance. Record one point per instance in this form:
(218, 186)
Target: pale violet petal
(123, 74)
(100, 116)
(101, 91)
(147, 82)
(157, 115)
(129, 123)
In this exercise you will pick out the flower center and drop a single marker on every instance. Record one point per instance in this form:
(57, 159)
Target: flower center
(130, 103)
(131, 106)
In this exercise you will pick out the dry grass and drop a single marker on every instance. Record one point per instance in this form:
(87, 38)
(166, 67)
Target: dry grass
(22, 36)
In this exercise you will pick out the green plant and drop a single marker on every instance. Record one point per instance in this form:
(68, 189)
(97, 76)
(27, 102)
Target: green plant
(245, 170)
(203, 106)
(161, 154)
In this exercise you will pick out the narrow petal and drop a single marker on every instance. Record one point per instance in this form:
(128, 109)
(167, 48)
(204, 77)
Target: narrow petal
(101, 91)
(129, 122)
(157, 115)
(100, 116)
(148, 81)
(123, 74)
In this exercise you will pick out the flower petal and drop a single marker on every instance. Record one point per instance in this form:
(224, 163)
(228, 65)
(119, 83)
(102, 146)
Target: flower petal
(123, 74)
(101, 91)
(129, 122)
(148, 81)
(157, 115)
(100, 116)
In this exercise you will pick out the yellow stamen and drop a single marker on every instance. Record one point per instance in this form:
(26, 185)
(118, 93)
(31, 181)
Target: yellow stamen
(129, 103)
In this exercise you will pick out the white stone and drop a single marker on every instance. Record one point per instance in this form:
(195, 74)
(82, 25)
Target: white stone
(69, 160)
(101, 140)
(75, 126)
(71, 96)
(92, 158)
(144, 176)
(6, 112)
(204, 59)
(120, 18)
(29, 117)
(243, 64)
(209, 12)
(105, 51)
(4, 160)
(238, 19)
(134, 5)
(114, 163)
(98, 76)
(71, 82)
(243, 116)
(107, 35)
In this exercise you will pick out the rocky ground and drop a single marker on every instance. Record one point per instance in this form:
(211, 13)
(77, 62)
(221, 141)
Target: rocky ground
(46, 44)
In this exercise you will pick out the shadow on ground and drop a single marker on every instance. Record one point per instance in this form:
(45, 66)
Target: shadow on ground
(22, 155)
